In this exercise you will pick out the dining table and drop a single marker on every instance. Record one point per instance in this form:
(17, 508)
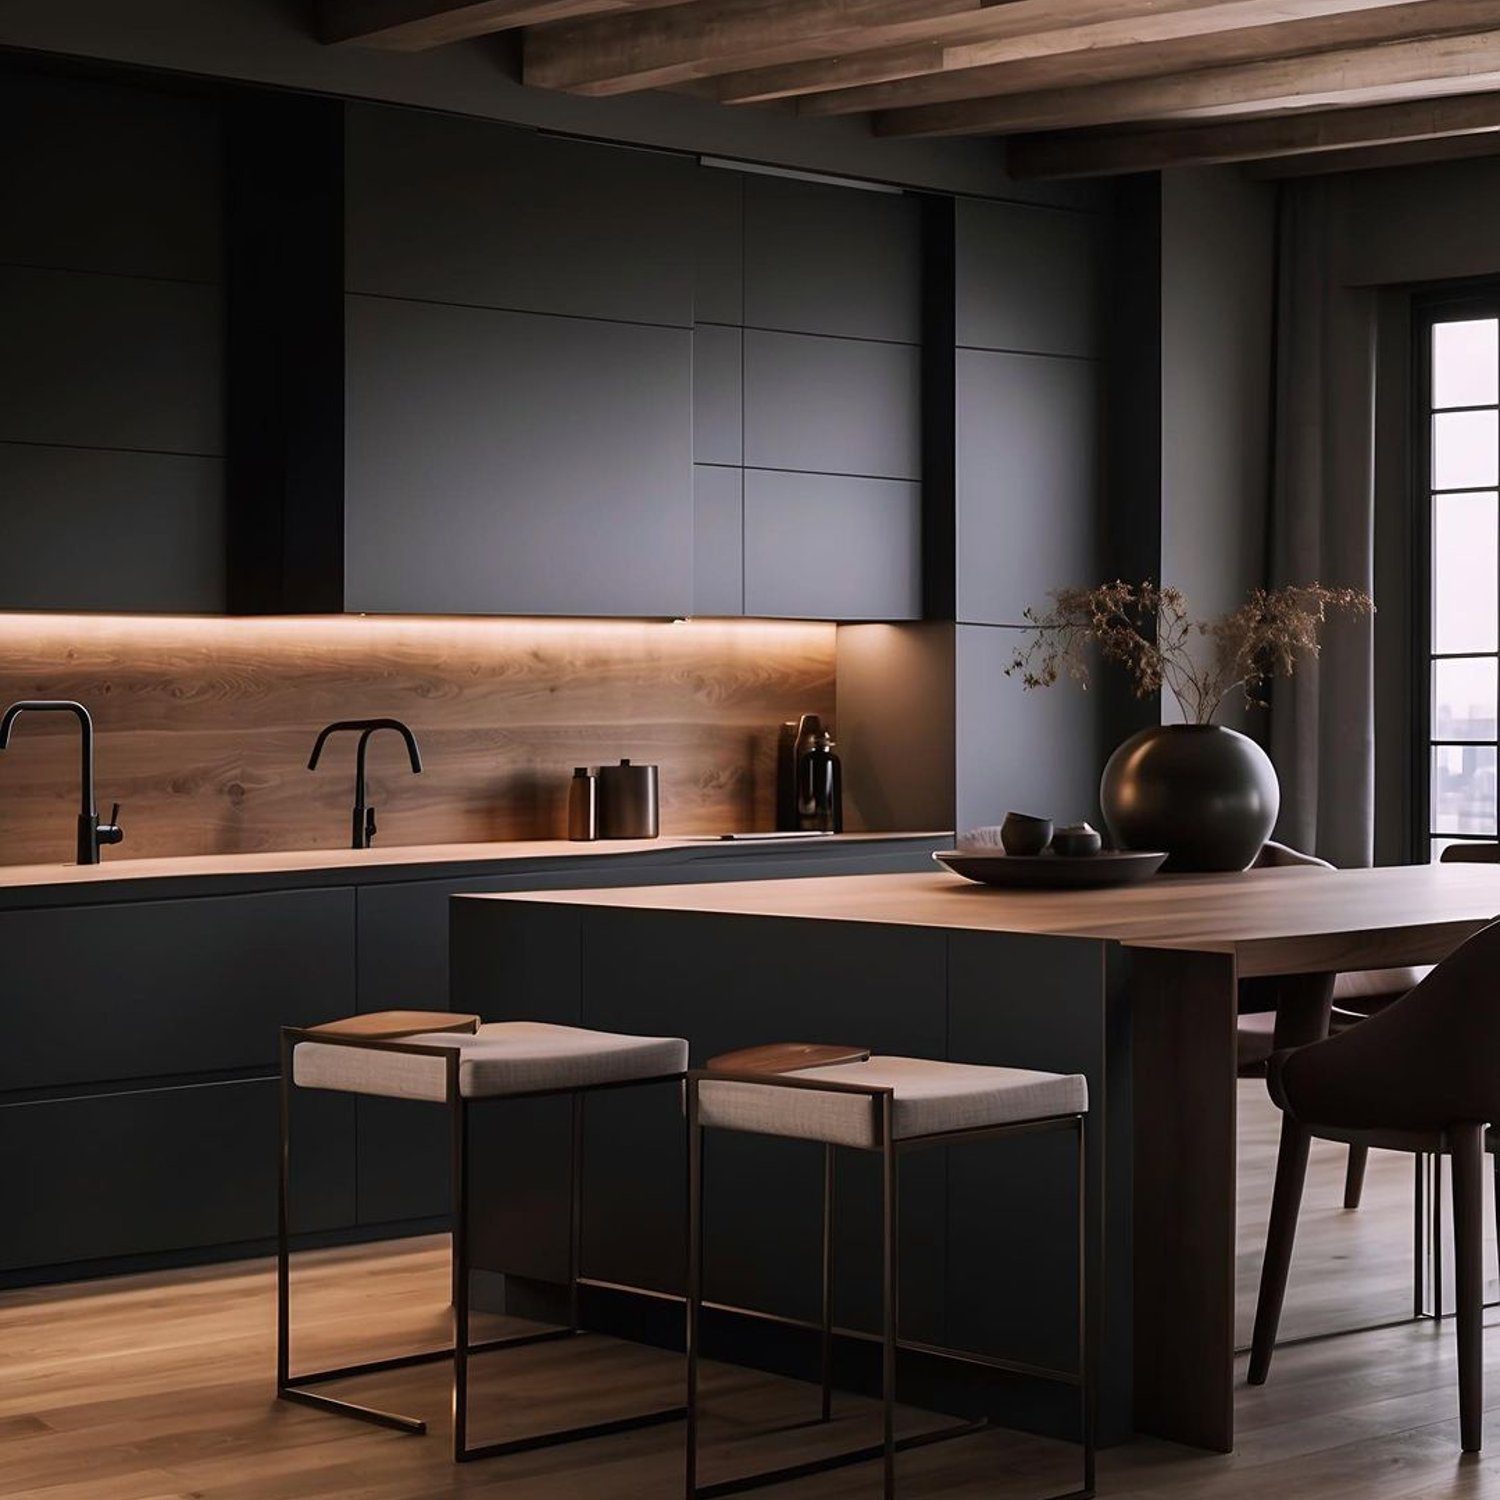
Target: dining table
(1135, 986)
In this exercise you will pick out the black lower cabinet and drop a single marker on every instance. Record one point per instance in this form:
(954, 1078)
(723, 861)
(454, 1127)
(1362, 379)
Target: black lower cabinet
(107, 1176)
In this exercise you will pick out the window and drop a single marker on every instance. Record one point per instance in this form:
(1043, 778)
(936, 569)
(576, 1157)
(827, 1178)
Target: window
(1458, 448)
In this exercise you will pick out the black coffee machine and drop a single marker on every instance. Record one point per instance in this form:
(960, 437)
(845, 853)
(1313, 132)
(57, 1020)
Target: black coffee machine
(809, 779)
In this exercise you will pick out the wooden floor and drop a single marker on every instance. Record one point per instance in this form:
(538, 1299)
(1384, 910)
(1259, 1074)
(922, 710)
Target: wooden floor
(156, 1388)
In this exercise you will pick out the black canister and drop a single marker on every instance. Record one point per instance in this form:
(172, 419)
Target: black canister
(628, 802)
(583, 805)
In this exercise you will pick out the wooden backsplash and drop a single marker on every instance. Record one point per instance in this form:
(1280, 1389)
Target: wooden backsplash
(205, 725)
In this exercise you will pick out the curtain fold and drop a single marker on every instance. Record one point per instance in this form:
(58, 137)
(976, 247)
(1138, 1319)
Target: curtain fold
(1322, 527)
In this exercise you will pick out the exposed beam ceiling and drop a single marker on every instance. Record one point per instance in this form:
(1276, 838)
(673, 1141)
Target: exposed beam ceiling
(1107, 153)
(1076, 87)
(415, 25)
(1095, 63)
(1353, 75)
(619, 54)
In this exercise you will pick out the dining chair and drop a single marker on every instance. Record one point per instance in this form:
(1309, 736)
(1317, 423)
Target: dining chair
(1354, 996)
(1418, 1076)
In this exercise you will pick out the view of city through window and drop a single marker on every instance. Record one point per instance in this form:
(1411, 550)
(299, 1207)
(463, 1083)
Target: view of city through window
(1464, 412)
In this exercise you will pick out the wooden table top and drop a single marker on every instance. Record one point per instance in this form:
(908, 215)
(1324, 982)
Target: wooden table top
(1273, 921)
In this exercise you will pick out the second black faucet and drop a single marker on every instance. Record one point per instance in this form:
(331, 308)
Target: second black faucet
(362, 827)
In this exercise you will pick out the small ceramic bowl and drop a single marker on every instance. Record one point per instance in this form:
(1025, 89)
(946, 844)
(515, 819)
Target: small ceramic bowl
(1074, 840)
(1023, 834)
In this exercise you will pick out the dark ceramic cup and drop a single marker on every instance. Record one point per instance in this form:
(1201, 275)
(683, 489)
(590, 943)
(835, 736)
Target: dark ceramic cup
(1076, 840)
(1021, 833)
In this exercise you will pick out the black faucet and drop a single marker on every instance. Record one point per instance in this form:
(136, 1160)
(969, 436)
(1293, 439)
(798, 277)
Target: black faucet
(91, 832)
(363, 824)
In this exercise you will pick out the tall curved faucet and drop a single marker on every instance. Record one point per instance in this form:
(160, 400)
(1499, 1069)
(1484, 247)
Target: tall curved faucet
(91, 832)
(362, 823)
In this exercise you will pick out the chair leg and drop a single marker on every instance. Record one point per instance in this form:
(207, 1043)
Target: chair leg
(1497, 1207)
(1354, 1175)
(459, 1113)
(694, 1285)
(827, 1350)
(1286, 1201)
(1467, 1142)
(889, 1298)
(1088, 1318)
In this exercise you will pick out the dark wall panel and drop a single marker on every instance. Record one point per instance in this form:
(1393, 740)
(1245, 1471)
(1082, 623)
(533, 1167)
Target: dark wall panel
(110, 362)
(718, 395)
(1028, 278)
(113, 179)
(1038, 751)
(451, 210)
(511, 463)
(832, 547)
(832, 406)
(718, 541)
(95, 529)
(833, 260)
(1028, 499)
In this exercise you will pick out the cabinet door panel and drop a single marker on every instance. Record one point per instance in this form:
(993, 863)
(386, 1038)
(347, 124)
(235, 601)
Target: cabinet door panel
(168, 1169)
(718, 541)
(832, 406)
(149, 989)
(718, 395)
(828, 547)
(158, 517)
(1028, 278)
(1028, 492)
(507, 463)
(464, 211)
(106, 178)
(111, 362)
(822, 259)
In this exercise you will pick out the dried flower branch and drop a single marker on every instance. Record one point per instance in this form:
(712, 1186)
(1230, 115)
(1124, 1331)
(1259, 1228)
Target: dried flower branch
(1146, 629)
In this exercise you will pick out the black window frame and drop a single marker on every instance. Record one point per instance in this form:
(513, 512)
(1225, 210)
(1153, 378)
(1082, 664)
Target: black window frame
(1451, 304)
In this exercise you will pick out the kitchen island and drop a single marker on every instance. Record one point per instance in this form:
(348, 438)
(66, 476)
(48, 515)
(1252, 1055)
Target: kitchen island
(1135, 987)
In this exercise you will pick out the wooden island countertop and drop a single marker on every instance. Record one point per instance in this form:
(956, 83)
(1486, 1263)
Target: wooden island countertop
(1299, 919)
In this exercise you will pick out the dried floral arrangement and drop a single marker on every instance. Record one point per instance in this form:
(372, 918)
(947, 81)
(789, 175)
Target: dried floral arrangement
(1146, 629)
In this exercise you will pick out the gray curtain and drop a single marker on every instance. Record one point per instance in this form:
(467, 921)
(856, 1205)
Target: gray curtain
(1322, 526)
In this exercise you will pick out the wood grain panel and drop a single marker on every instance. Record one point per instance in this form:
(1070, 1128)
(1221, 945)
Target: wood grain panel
(205, 725)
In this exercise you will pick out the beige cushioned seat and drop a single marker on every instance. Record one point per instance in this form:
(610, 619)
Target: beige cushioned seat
(503, 1057)
(929, 1097)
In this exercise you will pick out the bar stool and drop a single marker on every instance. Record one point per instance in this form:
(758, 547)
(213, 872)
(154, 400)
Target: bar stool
(455, 1061)
(845, 1097)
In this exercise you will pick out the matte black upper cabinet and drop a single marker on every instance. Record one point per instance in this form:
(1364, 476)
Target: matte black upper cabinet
(518, 372)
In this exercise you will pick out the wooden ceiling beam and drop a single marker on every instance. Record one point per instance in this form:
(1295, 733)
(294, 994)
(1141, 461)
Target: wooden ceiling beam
(1452, 64)
(415, 25)
(1113, 152)
(619, 54)
(1124, 34)
(1090, 63)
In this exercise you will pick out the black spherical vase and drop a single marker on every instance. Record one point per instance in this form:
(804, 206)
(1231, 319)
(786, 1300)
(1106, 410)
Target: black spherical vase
(1207, 795)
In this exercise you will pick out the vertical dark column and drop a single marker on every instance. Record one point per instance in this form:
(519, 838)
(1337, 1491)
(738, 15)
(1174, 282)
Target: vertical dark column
(939, 429)
(285, 419)
(1131, 522)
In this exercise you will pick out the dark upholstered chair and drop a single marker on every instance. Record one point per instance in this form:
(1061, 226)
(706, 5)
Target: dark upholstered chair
(1422, 1075)
(1355, 995)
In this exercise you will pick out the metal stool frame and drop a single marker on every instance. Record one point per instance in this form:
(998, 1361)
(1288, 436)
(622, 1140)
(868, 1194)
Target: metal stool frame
(890, 1148)
(292, 1388)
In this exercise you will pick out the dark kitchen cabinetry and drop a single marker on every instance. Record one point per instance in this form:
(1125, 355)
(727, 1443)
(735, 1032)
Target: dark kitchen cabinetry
(153, 989)
(516, 463)
(832, 547)
(111, 1175)
(111, 430)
